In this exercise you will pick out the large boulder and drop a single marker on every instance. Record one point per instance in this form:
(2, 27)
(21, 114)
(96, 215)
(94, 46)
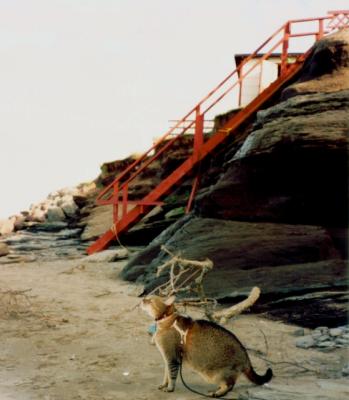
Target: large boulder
(69, 207)
(4, 249)
(278, 257)
(19, 222)
(7, 226)
(292, 168)
(326, 69)
(96, 222)
(37, 214)
(55, 214)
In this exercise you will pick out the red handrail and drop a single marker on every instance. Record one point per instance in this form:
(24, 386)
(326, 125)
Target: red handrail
(194, 118)
(220, 85)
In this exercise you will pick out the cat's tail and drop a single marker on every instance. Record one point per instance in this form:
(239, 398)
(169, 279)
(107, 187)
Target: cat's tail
(258, 379)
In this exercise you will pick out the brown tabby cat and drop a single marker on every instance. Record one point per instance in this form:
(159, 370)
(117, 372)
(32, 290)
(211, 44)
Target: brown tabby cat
(209, 349)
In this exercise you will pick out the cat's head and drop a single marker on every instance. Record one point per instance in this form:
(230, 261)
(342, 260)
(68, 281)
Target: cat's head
(158, 307)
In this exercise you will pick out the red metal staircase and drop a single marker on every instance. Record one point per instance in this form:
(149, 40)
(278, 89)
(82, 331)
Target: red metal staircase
(126, 211)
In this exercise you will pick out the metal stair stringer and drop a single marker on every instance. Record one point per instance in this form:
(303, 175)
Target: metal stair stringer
(117, 193)
(134, 215)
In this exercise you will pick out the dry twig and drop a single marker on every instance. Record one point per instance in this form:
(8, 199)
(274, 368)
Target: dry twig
(224, 315)
(187, 276)
(12, 300)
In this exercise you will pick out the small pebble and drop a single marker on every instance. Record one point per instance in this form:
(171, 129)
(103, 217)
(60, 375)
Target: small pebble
(342, 341)
(323, 329)
(305, 342)
(336, 332)
(345, 370)
(325, 344)
(323, 338)
(299, 332)
(326, 349)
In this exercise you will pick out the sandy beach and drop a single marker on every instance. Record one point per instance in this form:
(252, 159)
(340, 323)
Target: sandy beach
(72, 333)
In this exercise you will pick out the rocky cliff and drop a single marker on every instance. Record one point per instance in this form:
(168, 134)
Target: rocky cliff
(277, 213)
(272, 209)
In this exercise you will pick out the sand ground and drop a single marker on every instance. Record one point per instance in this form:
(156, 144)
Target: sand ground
(75, 336)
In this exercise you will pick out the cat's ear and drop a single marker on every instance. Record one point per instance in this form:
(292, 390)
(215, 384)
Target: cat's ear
(170, 300)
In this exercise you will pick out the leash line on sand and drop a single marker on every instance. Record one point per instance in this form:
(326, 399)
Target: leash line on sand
(193, 390)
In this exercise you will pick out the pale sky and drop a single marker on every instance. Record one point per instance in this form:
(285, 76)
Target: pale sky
(88, 81)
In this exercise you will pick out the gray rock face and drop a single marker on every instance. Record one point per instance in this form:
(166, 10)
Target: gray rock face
(326, 70)
(345, 370)
(108, 255)
(305, 342)
(276, 257)
(291, 168)
(53, 226)
(55, 214)
(323, 341)
(301, 120)
(69, 207)
(42, 245)
(336, 332)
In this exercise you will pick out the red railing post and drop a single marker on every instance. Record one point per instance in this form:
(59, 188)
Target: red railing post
(192, 193)
(321, 30)
(239, 71)
(199, 131)
(240, 93)
(285, 41)
(124, 200)
(116, 202)
(117, 191)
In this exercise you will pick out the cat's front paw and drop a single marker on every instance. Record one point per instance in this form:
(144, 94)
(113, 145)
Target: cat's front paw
(168, 389)
(162, 386)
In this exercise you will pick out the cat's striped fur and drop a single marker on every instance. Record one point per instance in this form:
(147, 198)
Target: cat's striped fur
(209, 349)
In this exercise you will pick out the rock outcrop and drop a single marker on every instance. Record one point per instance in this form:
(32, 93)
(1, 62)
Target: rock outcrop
(272, 210)
(326, 69)
(49, 230)
(279, 258)
(4, 249)
(98, 219)
(292, 168)
(277, 215)
(60, 207)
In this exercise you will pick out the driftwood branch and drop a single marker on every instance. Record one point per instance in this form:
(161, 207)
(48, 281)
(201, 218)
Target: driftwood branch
(223, 315)
(205, 265)
(187, 276)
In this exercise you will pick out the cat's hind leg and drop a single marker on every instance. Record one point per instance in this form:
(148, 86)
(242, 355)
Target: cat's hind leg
(225, 386)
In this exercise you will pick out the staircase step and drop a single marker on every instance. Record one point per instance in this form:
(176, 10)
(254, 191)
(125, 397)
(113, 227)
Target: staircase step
(201, 149)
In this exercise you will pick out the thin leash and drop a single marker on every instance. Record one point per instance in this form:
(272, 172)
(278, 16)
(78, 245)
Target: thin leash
(193, 390)
(114, 230)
